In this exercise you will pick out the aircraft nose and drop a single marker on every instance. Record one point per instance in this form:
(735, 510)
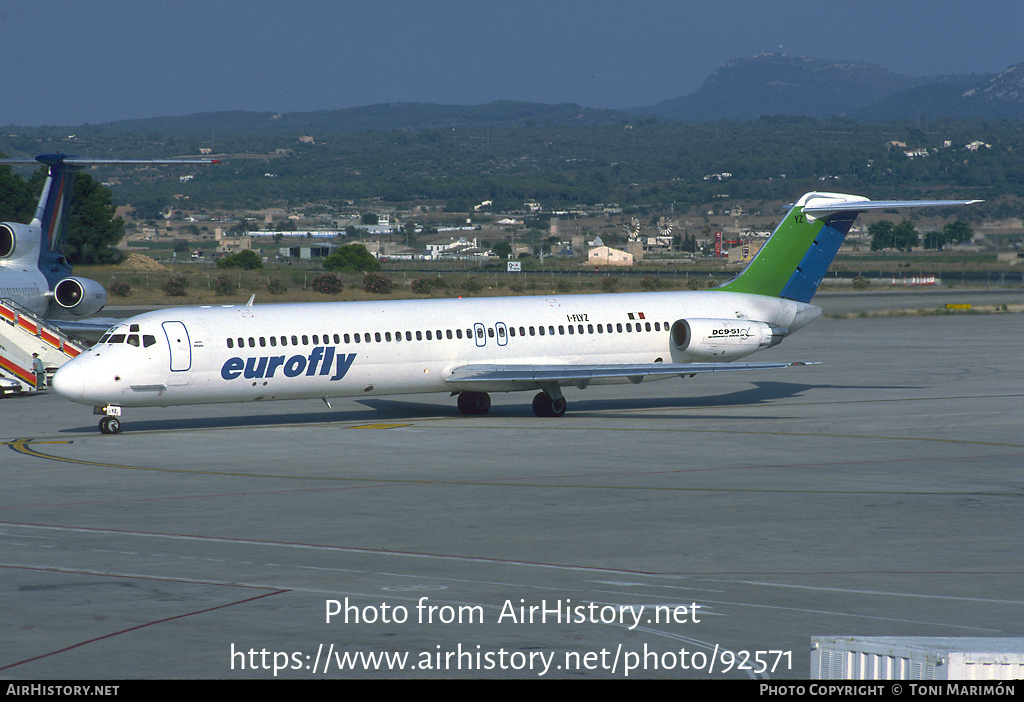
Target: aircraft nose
(69, 381)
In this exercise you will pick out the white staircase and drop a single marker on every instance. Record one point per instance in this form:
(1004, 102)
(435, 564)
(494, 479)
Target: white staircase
(23, 333)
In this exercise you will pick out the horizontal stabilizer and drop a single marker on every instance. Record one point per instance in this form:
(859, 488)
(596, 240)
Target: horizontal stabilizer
(824, 207)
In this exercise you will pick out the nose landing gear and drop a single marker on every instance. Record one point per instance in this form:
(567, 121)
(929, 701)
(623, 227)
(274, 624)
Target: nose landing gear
(111, 422)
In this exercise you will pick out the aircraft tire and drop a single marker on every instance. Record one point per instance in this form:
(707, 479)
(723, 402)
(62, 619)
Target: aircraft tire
(474, 403)
(545, 406)
(110, 425)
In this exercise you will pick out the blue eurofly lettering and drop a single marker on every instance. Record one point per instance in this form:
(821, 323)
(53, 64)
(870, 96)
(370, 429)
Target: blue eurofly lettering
(320, 361)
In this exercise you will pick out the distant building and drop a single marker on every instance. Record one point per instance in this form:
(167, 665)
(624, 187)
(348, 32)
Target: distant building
(744, 252)
(607, 256)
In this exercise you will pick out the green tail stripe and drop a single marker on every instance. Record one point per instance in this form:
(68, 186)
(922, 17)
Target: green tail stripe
(774, 264)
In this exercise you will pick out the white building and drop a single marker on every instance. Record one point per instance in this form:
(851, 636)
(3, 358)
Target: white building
(607, 256)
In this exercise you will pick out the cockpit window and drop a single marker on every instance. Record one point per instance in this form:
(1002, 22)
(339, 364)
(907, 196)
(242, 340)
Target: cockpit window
(148, 340)
(133, 339)
(116, 339)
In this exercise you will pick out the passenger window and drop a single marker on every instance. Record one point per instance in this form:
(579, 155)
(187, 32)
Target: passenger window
(629, 327)
(305, 340)
(429, 336)
(590, 328)
(561, 330)
(541, 330)
(449, 333)
(387, 336)
(572, 329)
(458, 333)
(600, 329)
(618, 327)
(273, 341)
(376, 337)
(532, 331)
(348, 339)
(231, 342)
(252, 342)
(501, 332)
(408, 336)
(295, 340)
(647, 325)
(263, 341)
(490, 332)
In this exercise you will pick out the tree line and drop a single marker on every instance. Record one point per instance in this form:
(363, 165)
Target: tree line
(643, 164)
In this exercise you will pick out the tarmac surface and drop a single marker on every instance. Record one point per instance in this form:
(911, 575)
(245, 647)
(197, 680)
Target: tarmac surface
(698, 528)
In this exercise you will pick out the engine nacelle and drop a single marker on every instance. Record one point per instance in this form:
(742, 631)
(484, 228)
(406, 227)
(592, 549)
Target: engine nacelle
(8, 240)
(80, 296)
(722, 339)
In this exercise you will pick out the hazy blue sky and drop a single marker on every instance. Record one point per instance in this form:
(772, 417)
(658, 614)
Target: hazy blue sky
(68, 62)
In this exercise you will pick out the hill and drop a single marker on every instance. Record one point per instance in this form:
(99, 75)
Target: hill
(743, 89)
(777, 84)
(383, 118)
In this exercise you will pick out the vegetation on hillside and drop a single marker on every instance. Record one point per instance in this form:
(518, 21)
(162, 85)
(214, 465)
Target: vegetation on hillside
(643, 163)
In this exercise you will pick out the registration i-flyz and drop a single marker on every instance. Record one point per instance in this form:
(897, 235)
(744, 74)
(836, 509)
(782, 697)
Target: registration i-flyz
(469, 347)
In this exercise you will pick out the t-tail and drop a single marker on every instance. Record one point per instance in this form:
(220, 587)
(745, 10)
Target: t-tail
(794, 260)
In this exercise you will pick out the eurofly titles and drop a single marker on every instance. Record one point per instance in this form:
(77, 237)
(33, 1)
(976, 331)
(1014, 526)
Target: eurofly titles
(319, 362)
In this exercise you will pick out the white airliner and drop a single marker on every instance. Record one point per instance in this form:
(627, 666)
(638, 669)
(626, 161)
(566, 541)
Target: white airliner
(33, 270)
(469, 347)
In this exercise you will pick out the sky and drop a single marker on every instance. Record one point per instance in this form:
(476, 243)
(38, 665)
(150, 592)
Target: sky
(68, 63)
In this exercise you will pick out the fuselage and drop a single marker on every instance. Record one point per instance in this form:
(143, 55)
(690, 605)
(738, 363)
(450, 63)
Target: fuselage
(323, 350)
(26, 286)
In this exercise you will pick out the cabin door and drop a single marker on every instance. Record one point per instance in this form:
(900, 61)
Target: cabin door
(181, 347)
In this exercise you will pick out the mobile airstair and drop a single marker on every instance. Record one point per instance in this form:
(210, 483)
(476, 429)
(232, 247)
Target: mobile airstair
(23, 333)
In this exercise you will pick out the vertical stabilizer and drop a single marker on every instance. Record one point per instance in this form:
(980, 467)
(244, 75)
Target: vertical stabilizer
(794, 260)
(54, 209)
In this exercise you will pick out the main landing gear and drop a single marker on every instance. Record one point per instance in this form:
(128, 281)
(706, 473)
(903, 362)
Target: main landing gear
(474, 402)
(544, 405)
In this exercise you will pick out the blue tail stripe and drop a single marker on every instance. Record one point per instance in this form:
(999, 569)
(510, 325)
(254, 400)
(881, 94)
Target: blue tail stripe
(808, 275)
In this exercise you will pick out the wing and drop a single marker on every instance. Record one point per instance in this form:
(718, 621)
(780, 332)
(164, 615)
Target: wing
(505, 378)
